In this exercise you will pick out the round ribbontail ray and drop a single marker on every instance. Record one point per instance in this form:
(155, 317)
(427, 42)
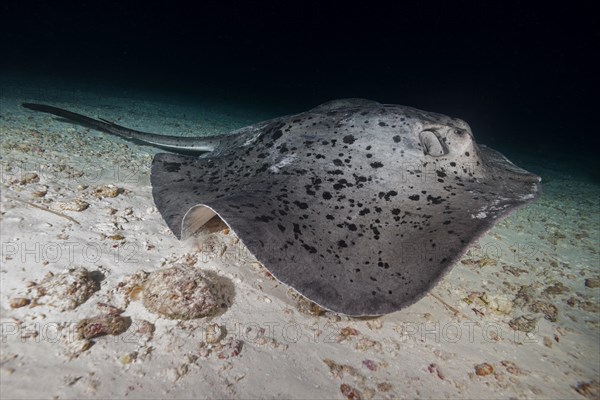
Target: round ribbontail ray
(361, 207)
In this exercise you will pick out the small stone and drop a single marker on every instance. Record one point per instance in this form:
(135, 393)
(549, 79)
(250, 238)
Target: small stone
(549, 310)
(230, 348)
(307, 307)
(484, 262)
(375, 324)
(339, 370)
(557, 288)
(72, 205)
(366, 344)
(213, 333)
(144, 328)
(107, 191)
(512, 368)
(40, 191)
(76, 347)
(203, 350)
(384, 387)
(484, 369)
(68, 289)
(370, 365)
(19, 302)
(129, 357)
(101, 325)
(500, 304)
(347, 332)
(548, 342)
(434, 368)
(589, 306)
(591, 389)
(28, 178)
(116, 237)
(524, 323)
(592, 282)
(349, 392)
(108, 309)
(131, 286)
(514, 271)
(136, 293)
(584, 305)
(177, 293)
(525, 296)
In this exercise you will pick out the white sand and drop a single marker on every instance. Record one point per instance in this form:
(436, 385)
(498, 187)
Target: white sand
(428, 350)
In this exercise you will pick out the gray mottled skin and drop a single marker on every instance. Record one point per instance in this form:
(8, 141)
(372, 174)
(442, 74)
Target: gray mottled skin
(361, 207)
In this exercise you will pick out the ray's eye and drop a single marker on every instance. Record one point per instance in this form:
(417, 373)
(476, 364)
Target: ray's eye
(459, 132)
(432, 145)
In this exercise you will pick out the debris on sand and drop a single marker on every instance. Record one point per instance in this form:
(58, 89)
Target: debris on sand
(524, 323)
(308, 307)
(484, 369)
(28, 178)
(19, 302)
(349, 392)
(71, 205)
(101, 325)
(549, 310)
(591, 389)
(40, 191)
(592, 282)
(66, 290)
(178, 293)
(107, 191)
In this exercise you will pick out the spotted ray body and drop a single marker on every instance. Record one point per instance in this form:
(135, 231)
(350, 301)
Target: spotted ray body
(361, 207)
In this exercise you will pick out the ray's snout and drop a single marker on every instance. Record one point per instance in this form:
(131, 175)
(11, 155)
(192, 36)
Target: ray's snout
(498, 165)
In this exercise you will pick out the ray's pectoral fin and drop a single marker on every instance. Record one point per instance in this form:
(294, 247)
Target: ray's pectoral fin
(344, 103)
(190, 191)
(259, 205)
(176, 194)
(195, 219)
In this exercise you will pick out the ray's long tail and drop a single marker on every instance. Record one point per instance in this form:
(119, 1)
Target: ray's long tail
(176, 144)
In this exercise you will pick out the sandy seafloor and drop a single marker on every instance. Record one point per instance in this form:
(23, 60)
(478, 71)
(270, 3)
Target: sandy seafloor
(541, 262)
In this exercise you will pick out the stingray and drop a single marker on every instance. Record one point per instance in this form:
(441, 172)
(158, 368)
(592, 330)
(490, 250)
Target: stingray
(359, 206)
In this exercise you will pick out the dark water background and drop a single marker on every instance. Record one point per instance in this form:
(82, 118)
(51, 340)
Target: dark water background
(523, 74)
